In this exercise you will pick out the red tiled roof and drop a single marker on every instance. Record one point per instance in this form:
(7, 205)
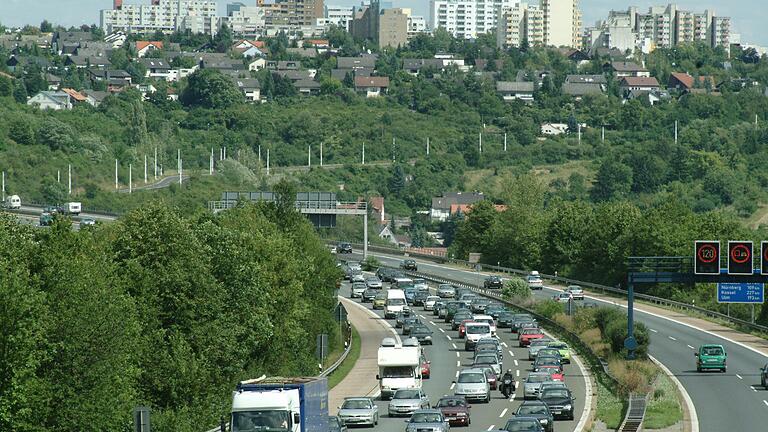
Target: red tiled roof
(371, 81)
(79, 97)
(639, 82)
(688, 81)
(140, 45)
(317, 42)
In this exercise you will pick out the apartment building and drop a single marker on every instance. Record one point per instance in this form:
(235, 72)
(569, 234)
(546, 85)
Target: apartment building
(247, 21)
(339, 16)
(385, 26)
(161, 15)
(562, 23)
(393, 28)
(467, 18)
(293, 13)
(522, 22)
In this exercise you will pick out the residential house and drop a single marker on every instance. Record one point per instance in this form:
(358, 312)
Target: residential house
(575, 55)
(76, 97)
(441, 206)
(385, 233)
(224, 65)
(284, 65)
(68, 38)
(257, 64)
(53, 100)
(95, 97)
(146, 90)
(684, 82)
(158, 69)
(582, 85)
(116, 39)
(250, 88)
(510, 91)
(142, 48)
(16, 63)
(87, 62)
(536, 76)
(54, 82)
(631, 83)
(307, 87)
(43, 40)
(116, 80)
(554, 129)
(627, 69)
(362, 62)
(302, 52)
(377, 209)
(250, 48)
(371, 86)
(652, 97)
(295, 75)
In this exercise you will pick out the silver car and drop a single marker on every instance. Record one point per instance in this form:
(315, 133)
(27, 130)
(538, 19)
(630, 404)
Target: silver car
(406, 401)
(488, 359)
(429, 302)
(550, 385)
(355, 266)
(428, 420)
(359, 411)
(536, 345)
(446, 291)
(373, 282)
(357, 289)
(420, 285)
(532, 384)
(576, 292)
(473, 385)
(357, 277)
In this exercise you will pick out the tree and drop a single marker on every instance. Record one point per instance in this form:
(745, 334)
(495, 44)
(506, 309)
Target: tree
(516, 288)
(614, 181)
(21, 131)
(20, 92)
(330, 86)
(6, 86)
(222, 42)
(397, 181)
(46, 27)
(55, 134)
(208, 88)
(54, 192)
(649, 172)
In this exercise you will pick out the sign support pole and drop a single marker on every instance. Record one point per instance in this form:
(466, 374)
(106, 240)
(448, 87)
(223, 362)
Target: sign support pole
(630, 342)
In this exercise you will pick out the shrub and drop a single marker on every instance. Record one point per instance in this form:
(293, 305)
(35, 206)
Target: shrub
(549, 308)
(516, 288)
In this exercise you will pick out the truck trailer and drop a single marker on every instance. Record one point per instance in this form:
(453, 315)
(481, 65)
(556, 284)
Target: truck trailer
(280, 405)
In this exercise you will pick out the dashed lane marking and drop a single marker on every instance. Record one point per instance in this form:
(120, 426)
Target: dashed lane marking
(517, 364)
(654, 331)
(457, 354)
(739, 377)
(453, 385)
(671, 338)
(449, 338)
(457, 374)
(511, 353)
(455, 347)
(441, 329)
(458, 363)
(517, 372)
(503, 413)
(691, 347)
(491, 427)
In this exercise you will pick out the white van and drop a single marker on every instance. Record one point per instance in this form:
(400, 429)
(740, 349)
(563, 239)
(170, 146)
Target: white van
(474, 331)
(486, 319)
(395, 303)
(13, 202)
(72, 208)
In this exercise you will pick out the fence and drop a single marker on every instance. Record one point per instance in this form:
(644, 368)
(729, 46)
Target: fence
(604, 289)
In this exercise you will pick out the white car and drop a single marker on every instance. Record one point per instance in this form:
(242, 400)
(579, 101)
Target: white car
(486, 319)
(534, 281)
(358, 277)
(576, 291)
(420, 284)
(332, 249)
(563, 297)
(429, 302)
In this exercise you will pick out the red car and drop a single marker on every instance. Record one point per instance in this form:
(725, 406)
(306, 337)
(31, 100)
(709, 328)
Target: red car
(455, 409)
(492, 378)
(554, 372)
(529, 334)
(463, 329)
(425, 367)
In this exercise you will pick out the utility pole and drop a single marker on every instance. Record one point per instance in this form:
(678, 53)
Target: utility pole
(602, 134)
(210, 163)
(321, 154)
(393, 149)
(675, 131)
(481, 142)
(309, 156)
(179, 157)
(225, 153)
(505, 141)
(145, 169)
(130, 178)
(578, 127)
(427, 146)
(58, 176)
(259, 154)
(155, 163)
(117, 186)
(363, 153)
(267, 162)
(70, 178)
(3, 186)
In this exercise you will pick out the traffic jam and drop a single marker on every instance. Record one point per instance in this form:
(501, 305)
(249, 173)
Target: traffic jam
(460, 360)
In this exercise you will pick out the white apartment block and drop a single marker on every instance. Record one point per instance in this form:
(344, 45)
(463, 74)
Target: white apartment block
(339, 16)
(661, 27)
(522, 22)
(562, 23)
(247, 21)
(161, 15)
(466, 18)
(416, 25)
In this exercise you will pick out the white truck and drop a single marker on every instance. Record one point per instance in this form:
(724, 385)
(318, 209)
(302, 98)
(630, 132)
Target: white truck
(280, 405)
(395, 303)
(399, 366)
(13, 202)
(72, 208)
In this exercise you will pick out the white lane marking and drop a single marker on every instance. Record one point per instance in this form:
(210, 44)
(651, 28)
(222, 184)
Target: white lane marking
(765, 402)
(503, 413)
(441, 329)
(457, 354)
(739, 377)
(754, 389)
(458, 362)
(654, 331)
(457, 374)
(686, 396)
(517, 372)
(491, 427)
(453, 385)
(516, 363)
(422, 316)
(691, 347)
(504, 344)
(511, 353)
(512, 398)
(432, 322)
(588, 398)
(449, 338)
(671, 338)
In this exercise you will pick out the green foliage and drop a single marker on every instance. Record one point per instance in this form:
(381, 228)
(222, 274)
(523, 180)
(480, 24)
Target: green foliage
(21, 131)
(516, 288)
(6, 86)
(549, 308)
(208, 88)
(614, 181)
(20, 92)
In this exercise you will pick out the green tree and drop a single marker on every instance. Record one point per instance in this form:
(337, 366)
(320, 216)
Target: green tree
(473, 234)
(54, 192)
(20, 92)
(222, 42)
(55, 134)
(516, 288)
(397, 181)
(46, 27)
(22, 131)
(649, 172)
(6, 86)
(614, 181)
(208, 88)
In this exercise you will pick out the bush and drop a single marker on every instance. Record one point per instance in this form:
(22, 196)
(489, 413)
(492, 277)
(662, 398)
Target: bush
(549, 308)
(371, 264)
(616, 332)
(516, 288)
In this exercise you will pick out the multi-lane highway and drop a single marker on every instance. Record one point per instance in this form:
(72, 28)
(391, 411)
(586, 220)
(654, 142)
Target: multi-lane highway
(448, 357)
(723, 401)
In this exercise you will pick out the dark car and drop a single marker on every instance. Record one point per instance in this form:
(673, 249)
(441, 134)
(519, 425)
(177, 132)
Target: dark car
(523, 424)
(504, 319)
(409, 323)
(764, 376)
(458, 317)
(344, 247)
(494, 309)
(455, 409)
(559, 401)
(493, 282)
(538, 410)
(402, 315)
(422, 333)
(410, 293)
(492, 377)
(384, 273)
(336, 425)
(408, 264)
(369, 294)
(419, 297)
(452, 308)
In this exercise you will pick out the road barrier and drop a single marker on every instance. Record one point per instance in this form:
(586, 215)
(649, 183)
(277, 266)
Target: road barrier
(604, 289)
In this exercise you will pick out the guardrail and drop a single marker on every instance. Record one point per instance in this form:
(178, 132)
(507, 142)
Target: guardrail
(604, 289)
(633, 420)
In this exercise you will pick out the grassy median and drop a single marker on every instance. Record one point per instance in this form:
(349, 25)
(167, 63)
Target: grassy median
(349, 363)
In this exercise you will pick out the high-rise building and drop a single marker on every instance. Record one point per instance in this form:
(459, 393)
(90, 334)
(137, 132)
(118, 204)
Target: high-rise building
(339, 16)
(393, 28)
(246, 21)
(161, 15)
(384, 26)
(562, 22)
(294, 13)
(466, 18)
(520, 23)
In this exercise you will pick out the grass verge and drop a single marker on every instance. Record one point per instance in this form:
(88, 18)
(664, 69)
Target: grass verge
(664, 408)
(341, 372)
(609, 408)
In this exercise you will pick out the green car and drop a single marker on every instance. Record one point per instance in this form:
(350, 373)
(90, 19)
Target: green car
(563, 349)
(711, 357)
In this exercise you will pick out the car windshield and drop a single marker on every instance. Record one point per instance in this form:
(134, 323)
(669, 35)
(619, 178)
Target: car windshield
(485, 360)
(356, 404)
(476, 329)
(432, 298)
(712, 351)
(471, 378)
(268, 420)
(426, 418)
(442, 403)
(397, 372)
(395, 302)
(531, 409)
(406, 394)
(555, 393)
(558, 346)
(531, 331)
(381, 296)
(537, 378)
(522, 425)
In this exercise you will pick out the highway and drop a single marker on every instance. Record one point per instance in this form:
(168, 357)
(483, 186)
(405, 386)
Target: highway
(732, 401)
(448, 357)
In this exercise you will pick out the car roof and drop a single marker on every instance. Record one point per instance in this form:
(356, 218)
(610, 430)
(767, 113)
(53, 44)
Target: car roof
(428, 411)
(472, 370)
(358, 398)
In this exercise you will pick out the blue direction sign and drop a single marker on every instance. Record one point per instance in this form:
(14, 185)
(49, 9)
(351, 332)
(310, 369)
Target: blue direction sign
(740, 293)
